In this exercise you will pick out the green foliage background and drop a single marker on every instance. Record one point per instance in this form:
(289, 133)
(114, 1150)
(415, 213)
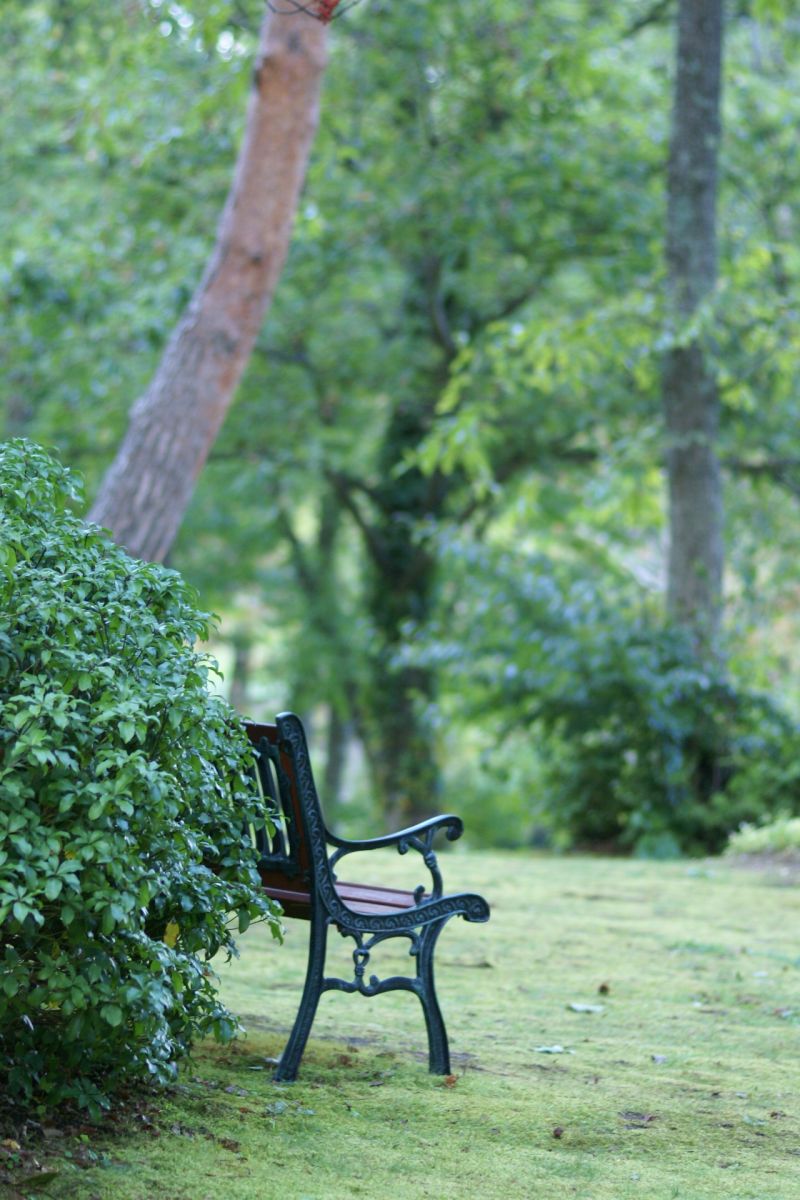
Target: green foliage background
(473, 298)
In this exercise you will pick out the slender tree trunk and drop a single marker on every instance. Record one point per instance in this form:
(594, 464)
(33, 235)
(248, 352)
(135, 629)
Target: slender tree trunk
(691, 400)
(240, 676)
(400, 744)
(400, 741)
(173, 425)
(337, 737)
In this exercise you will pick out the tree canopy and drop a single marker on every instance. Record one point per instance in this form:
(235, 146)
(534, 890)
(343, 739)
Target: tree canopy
(436, 515)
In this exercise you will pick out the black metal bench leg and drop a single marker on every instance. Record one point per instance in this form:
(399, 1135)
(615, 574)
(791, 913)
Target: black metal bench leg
(286, 1071)
(438, 1049)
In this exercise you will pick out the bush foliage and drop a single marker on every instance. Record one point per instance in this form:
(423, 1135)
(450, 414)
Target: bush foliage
(780, 836)
(123, 796)
(652, 752)
(632, 744)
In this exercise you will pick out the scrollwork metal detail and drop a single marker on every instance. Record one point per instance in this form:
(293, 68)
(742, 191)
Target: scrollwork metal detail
(471, 907)
(361, 959)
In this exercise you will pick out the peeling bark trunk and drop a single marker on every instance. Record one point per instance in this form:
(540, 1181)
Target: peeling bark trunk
(174, 424)
(691, 400)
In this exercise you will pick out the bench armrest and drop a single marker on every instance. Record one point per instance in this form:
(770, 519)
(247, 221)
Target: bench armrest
(453, 825)
(417, 837)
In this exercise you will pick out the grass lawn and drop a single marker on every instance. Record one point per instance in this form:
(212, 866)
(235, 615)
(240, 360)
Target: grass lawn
(685, 1085)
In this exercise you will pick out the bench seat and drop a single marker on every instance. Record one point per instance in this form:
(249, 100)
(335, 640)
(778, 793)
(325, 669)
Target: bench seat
(358, 897)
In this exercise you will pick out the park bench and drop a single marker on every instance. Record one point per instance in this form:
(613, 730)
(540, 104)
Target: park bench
(298, 868)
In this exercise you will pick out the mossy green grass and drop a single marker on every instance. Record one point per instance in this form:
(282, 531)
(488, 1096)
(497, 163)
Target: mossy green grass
(675, 1076)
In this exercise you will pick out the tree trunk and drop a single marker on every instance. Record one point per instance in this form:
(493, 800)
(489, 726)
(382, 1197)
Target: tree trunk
(337, 737)
(401, 744)
(173, 425)
(399, 738)
(240, 676)
(691, 400)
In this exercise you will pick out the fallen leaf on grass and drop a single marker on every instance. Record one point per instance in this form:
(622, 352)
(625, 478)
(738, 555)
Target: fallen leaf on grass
(450, 1081)
(277, 1107)
(638, 1120)
(264, 1062)
(480, 964)
(32, 1183)
(179, 1130)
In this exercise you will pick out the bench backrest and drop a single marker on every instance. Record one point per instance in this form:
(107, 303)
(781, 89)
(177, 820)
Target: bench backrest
(283, 772)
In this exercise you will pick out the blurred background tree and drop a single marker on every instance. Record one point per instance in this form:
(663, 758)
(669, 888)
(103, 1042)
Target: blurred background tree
(436, 521)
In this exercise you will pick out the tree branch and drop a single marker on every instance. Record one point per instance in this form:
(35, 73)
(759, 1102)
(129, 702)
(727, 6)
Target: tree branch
(307, 577)
(659, 14)
(440, 325)
(374, 545)
(778, 470)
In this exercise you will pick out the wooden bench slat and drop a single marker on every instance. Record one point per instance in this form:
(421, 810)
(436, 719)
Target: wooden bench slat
(366, 906)
(288, 895)
(362, 898)
(373, 894)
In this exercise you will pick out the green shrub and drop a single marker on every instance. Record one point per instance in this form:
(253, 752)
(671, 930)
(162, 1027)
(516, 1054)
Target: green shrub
(633, 744)
(780, 836)
(121, 787)
(653, 753)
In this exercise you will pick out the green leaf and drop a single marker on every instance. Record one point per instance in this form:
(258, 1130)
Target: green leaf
(10, 985)
(52, 887)
(112, 1014)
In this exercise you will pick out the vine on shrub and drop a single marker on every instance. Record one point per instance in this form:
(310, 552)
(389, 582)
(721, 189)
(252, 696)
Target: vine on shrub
(122, 806)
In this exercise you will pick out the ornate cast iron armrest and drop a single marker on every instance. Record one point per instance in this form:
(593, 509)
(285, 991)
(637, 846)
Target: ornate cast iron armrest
(416, 837)
(453, 825)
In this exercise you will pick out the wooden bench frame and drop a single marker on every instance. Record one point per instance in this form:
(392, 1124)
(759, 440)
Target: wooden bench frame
(298, 869)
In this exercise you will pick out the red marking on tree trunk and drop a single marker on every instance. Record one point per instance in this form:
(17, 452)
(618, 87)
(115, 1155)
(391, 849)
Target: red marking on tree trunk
(326, 9)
